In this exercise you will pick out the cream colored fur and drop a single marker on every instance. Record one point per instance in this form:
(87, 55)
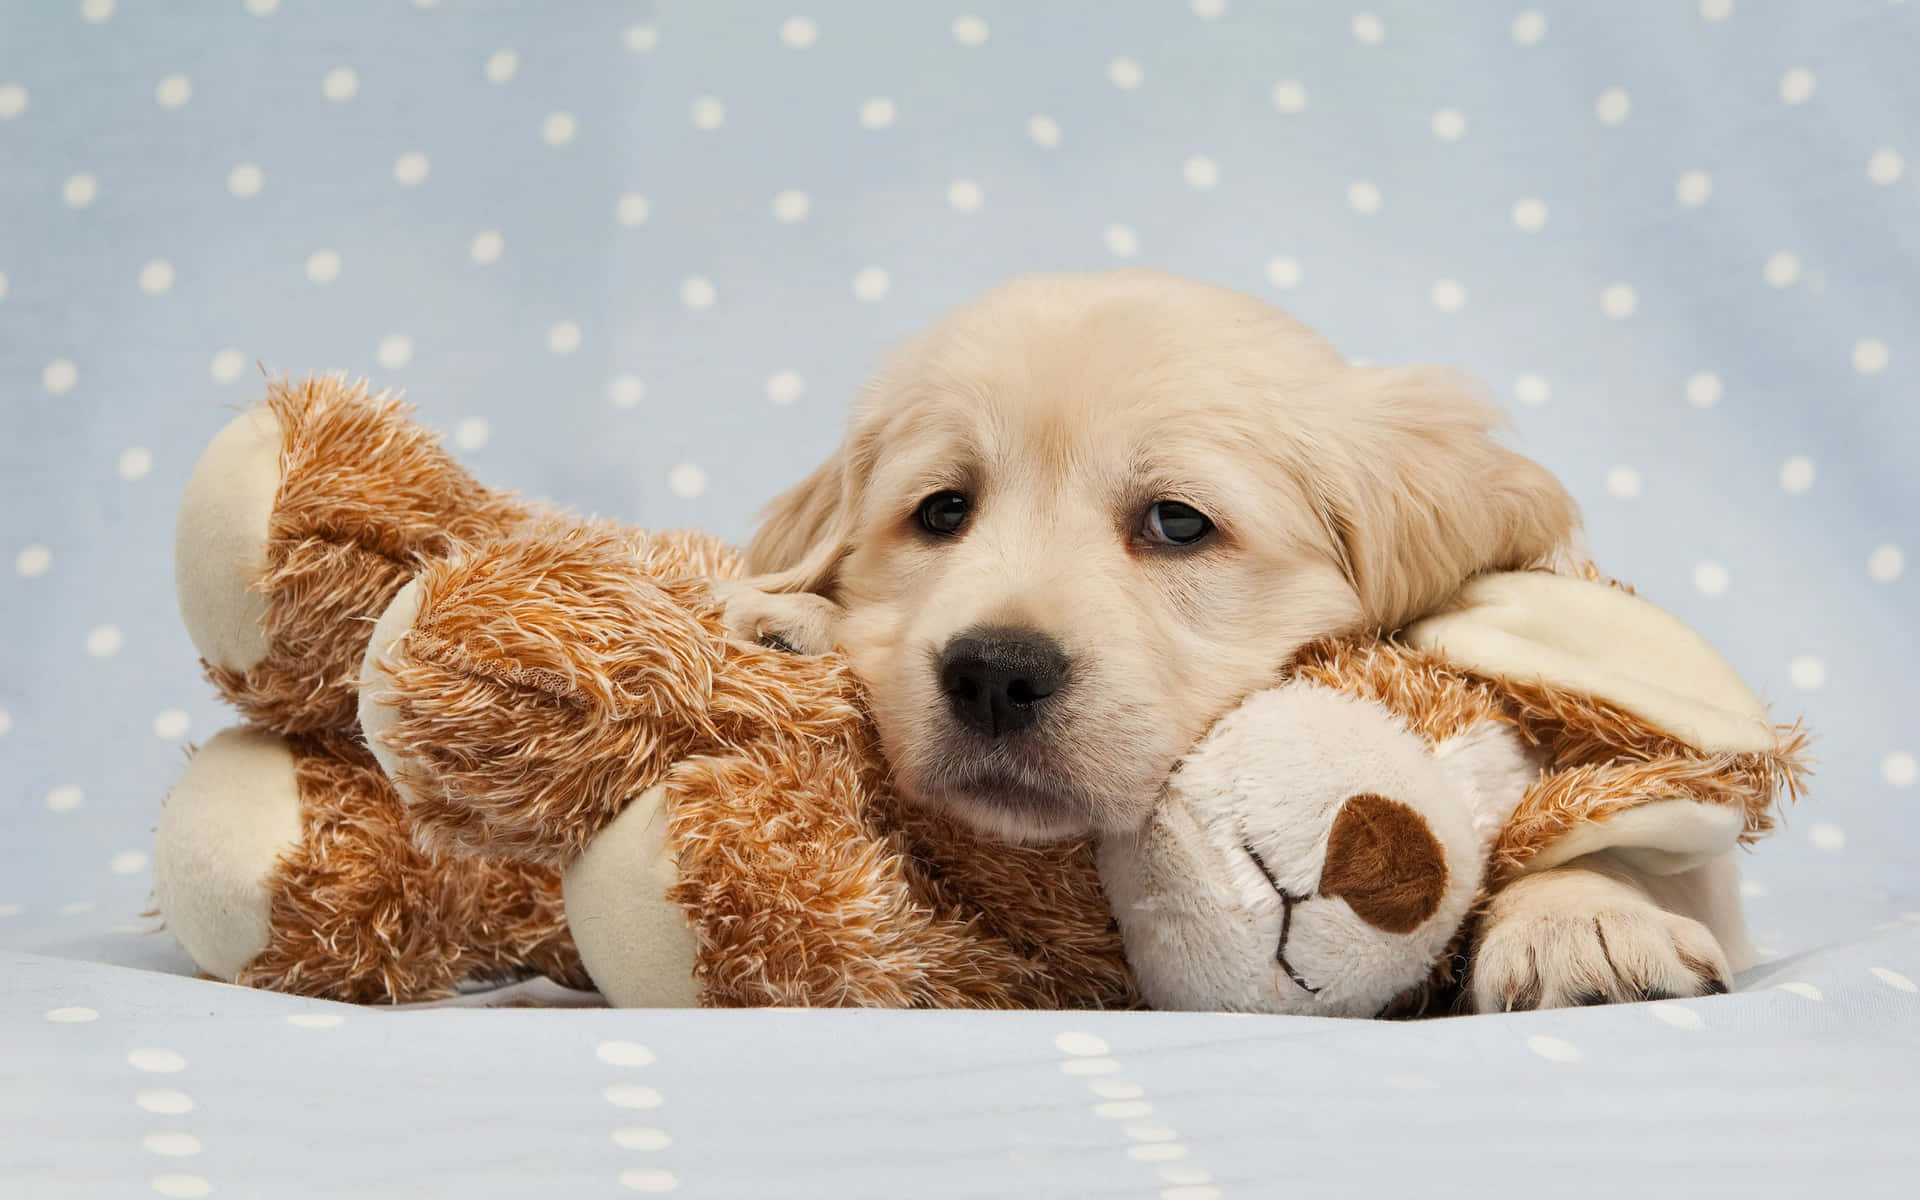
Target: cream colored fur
(376, 684)
(634, 942)
(220, 540)
(234, 812)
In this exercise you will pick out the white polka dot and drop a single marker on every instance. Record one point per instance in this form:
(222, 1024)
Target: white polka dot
(641, 1137)
(697, 292)
(1619, 301)
(340, 84)
(80, 190)
(1692, 189)
(1805, 991)
(1368, 29)
(173, 91)
(790, 205)
(1808, 672)
(1089, 1066)
(708, 113)
(135, 462)
(3, 285)
(1449, 124)
(263, 8)
(227, 365)
(64, 798)
(171, 724)
(72, 1016)
(1529, 27)
(969, 31)
(872, 283)
(156, 277)
(1044, 130)
(180, 1187)
(1157, 1152)
(559, 128)
(323, 266)
(316, 1020)
(1115, 1089)
(877, 113)
(1782, 269)
(1900, 769)
(1121, 241)
(632, 209)
(1409, 1083)
(1710, 579)
(687, 480)
(172, 1145)
(1123, 1110)
(1715, 10)
(1201, 172)
(1885, 564)
(6, 722)
(1827, 837)
(246, 180)
(1124, 73)
(59, 376)
(1623, 483)
(471, 433)
(13, 101)
(1613, 106)
(1363, 197)
(75, 908)
(1284, 273)
(94, 12)
(1081, 1045)
(1703, 389)
(161, 1062)
(648, 1179)
(104, 641)
(410, 169)
(797, 33)
(564, 337)
(1870, 356)
(626, 391)
(165, 1102)
(486, 247)
(1796, 86)
(1290, 96)
(1886, 167)
(1448, 295)
(1894, 979)
(1553, 1049)
(631, 1095)
(1677, 1015)
(502, 66)
(784, 387)
(965, 195)
(1532, 390)
(1529, 214)
(1796, 475)
(395, 351)
(33, 561)
(641, 39)
(623, 1054)
(1208, 10)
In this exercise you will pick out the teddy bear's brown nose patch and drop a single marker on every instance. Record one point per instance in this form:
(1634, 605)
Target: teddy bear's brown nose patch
(1385, 863)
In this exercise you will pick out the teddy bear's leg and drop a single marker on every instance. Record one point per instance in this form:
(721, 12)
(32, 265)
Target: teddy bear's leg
(301, 520)
(289, 864)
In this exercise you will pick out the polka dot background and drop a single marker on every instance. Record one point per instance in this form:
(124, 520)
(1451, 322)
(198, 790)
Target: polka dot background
(638, 257)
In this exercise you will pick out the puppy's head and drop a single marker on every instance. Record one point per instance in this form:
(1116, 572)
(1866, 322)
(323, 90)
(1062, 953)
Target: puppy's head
(1075, 522)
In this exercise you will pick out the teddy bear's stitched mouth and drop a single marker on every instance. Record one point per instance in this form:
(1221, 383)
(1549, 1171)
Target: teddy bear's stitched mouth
(1287, 901)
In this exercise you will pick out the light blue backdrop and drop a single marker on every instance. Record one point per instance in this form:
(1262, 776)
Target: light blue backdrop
(637, 257)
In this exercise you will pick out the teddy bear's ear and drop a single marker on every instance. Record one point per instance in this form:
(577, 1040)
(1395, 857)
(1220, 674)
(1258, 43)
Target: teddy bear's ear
(1384, 861)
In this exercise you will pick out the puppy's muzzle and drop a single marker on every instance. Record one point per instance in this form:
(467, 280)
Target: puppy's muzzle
(997, 681)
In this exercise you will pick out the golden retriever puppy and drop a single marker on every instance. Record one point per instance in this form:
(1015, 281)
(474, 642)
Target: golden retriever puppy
(1076, 521)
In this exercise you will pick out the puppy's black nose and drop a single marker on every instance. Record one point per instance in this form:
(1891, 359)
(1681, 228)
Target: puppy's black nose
(996, 680)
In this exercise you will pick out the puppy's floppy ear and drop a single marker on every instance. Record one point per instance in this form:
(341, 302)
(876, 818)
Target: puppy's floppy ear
(804, 532)
(1417, 495)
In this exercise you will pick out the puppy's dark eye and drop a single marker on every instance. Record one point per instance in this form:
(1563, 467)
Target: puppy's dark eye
(1171, 523)
(944, 513)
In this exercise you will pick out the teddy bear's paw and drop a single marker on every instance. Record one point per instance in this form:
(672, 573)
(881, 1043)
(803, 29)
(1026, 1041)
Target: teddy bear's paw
(1574, 936)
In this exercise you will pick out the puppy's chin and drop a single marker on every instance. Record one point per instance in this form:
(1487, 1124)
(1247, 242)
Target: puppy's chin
(1008, 809)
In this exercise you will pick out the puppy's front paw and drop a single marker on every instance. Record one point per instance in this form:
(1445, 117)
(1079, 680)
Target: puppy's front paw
(797, 622)
(1576, 936)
